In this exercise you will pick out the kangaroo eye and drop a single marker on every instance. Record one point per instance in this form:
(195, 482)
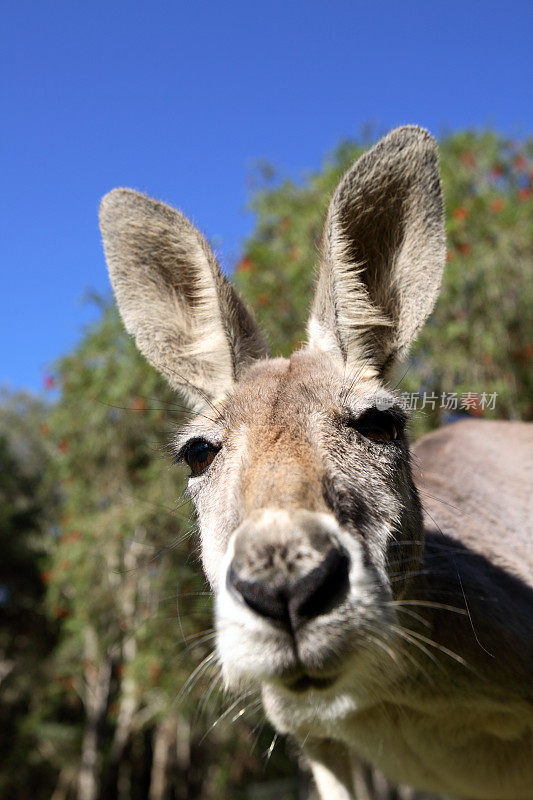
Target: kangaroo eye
(379, 434)
(198, 456)
(379, 426)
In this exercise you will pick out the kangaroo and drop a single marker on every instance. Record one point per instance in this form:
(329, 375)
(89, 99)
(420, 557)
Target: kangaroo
(380, 599)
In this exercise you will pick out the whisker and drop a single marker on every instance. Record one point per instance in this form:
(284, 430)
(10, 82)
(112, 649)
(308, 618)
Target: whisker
(195, 388)
(462, 589)
(444, 502)
(427, 604)
(268, 753)
(409, 368)
(440, 647)
(196, 674)
(226, 713)
(412, 614)
(204, 702)
(403, 633)
(208, 637)
(249, 707)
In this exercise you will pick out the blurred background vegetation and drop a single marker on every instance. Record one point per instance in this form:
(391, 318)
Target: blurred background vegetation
(107, 686)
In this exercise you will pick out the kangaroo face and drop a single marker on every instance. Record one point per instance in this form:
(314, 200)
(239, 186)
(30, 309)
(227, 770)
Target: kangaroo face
(307, 511)
(309, 520)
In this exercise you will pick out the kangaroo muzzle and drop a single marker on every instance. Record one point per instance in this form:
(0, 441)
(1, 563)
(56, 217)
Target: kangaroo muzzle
(288, 567)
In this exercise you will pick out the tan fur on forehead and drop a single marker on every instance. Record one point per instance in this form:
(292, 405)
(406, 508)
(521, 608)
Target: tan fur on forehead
(306, 378)
(282, 470)
(273, 401)
(277, 401)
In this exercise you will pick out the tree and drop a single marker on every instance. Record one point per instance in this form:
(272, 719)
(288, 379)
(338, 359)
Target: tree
(27, 505)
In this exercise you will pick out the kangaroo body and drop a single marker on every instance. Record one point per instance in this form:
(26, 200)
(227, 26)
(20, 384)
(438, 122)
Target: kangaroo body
(380, 599)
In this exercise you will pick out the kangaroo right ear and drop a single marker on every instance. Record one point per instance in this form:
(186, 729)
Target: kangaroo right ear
(383, 253)
(187, 320)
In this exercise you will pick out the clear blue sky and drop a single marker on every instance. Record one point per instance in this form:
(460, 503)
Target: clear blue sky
(179, 99)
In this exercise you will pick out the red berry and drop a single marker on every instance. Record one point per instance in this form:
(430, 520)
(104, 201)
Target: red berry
(461, 213)
(245, 265)
(497, 204)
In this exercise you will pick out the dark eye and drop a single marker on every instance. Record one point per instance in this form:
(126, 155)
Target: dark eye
(379, 426)
(198, 455)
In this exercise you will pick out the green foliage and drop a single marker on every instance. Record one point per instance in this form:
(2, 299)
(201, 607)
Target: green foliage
(27, 502)
(479, 338)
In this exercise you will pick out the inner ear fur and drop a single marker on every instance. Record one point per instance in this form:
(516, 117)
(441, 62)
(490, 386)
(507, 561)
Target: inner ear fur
(187, 319)
(383, 252)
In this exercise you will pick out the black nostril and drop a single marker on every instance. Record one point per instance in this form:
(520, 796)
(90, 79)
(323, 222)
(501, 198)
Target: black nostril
(268, 601)
(322, 589)
(293, 604)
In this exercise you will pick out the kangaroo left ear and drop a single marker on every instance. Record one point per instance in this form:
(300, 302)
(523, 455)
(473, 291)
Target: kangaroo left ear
(383, 253)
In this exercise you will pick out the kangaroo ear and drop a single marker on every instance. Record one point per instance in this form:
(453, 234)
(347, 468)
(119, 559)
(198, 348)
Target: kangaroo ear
(186, 318)
(383, 253)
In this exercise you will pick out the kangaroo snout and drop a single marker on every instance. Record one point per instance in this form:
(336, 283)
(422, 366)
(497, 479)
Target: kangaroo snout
(288, 567)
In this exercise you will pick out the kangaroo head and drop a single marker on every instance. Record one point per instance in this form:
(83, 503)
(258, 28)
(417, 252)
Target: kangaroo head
(310, 522)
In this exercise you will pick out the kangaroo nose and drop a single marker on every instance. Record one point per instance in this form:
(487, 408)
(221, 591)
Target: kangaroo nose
(292, 603)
